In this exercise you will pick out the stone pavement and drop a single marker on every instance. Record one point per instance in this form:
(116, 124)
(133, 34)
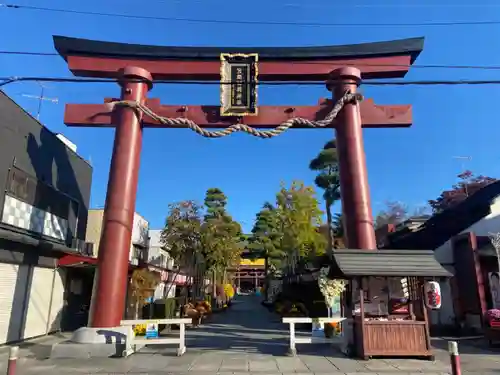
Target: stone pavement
(248, 340)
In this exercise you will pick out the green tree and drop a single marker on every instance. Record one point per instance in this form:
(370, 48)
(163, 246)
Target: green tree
(467, 185)
(338, 226)
(338, 231)
(396, 213)
(326, 163)
(300, 219)
(222, 243)
(182, 235)
(265, 240)
(215, 204)
(393, 213)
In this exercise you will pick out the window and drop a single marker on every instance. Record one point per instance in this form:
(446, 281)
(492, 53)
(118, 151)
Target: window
(18, 184)
(138, 253)
(38, 194)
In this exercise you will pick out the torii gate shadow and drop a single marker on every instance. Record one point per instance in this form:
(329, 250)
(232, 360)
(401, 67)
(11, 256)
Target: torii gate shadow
(247, 327)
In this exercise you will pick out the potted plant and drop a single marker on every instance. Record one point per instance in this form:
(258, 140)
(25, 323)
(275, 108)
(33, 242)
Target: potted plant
(331, 289)
(492, 318)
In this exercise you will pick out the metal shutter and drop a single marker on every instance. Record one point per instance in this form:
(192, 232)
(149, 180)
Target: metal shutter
(37, 315)
(57, 305)
(8, 279)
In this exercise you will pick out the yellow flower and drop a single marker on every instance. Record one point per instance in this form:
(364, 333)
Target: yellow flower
(140, 329)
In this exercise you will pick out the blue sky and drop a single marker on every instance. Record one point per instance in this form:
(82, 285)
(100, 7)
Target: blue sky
(409, 165)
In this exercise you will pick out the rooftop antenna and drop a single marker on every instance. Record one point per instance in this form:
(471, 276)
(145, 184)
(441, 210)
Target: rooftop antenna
(41, 98)
(463, 160)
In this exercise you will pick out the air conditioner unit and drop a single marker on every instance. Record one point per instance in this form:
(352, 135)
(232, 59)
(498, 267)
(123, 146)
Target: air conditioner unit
(78, 245)
(89, 249)
(82, 247)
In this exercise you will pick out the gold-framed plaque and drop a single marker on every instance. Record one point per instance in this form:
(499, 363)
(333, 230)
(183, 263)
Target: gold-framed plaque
(238, 84)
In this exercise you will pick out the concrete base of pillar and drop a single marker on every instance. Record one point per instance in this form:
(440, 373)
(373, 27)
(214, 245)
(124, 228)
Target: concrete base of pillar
(89, 342)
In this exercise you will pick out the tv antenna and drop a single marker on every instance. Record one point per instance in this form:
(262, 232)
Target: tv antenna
(463, 160)
(41, 98)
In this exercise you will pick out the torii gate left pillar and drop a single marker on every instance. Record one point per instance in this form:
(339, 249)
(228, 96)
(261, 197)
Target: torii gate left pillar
(120, 201)
(116, 232)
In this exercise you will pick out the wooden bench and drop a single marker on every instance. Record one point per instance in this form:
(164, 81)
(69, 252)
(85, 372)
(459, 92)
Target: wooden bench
(135, 343)
(311, 340)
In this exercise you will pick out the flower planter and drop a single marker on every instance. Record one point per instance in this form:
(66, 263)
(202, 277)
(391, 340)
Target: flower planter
(492, 329)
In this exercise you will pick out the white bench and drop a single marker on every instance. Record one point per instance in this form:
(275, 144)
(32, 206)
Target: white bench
(311, 340)
(134, 343)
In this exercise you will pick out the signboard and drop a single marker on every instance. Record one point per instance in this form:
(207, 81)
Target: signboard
(335, 307)
(317, 330)
(238, 89)
(494, 281)
(151, 330)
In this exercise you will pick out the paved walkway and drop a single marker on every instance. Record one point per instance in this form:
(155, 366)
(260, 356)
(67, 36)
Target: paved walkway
(248, 340)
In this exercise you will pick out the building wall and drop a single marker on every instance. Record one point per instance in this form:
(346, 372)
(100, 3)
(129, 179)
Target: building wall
(31, 292)
(37, 152)
(488, 225)
(94, 225)
(158, 256)
(44, 190)
(444, 254)
(140, 230)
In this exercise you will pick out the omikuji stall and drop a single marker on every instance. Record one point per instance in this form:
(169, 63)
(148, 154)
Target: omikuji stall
(387, 300)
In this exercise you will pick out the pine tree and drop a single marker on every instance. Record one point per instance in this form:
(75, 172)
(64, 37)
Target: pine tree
(221, 234)
(265, 240)
(328, 179)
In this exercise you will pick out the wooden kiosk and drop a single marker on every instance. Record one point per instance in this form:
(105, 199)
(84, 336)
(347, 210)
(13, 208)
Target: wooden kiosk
(384, 300)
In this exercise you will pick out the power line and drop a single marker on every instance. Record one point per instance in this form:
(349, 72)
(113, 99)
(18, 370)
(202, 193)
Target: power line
(372, 6)
(8, 80)
(28, 53)
(418, 66)
(349, 5)
(248, 22)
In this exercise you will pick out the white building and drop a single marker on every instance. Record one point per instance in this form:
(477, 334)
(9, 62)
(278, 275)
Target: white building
(460, 238)
(160, 259)
(140, 235)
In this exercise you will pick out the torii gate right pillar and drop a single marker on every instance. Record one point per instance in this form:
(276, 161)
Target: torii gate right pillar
(356, 205)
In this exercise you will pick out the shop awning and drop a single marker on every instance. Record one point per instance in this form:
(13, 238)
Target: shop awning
(73, 260)
(405, 263)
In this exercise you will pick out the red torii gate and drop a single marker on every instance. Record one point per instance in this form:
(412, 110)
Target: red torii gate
(342, 67)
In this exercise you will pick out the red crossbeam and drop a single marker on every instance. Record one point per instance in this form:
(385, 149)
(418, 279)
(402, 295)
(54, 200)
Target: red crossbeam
(314, 70)
(372, 115)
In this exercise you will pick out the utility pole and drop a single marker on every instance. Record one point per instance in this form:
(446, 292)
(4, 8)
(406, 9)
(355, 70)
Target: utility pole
(463, 160)
(41, 98)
